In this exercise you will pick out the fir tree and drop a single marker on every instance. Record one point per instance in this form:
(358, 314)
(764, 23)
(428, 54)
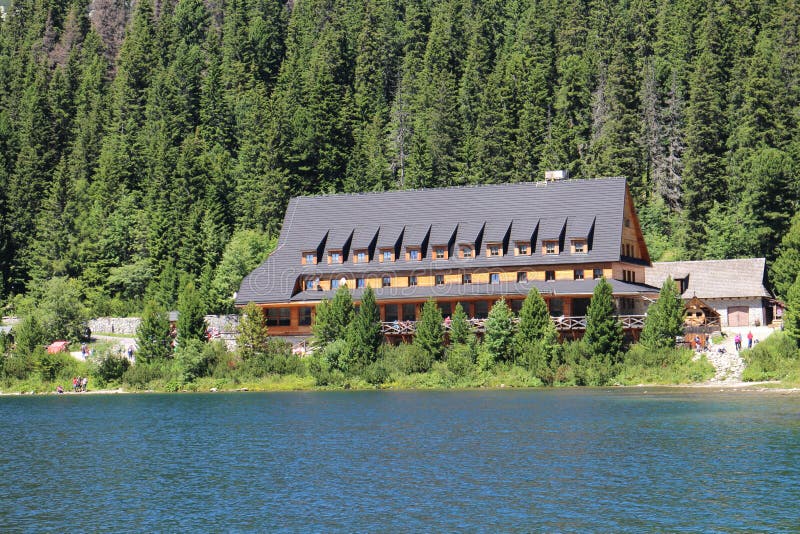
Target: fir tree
(191, 316)
(500, 332)
(792, 317)
(333, 317)
(253, 336)
(364, 335)
(460, 330)
(152, 337)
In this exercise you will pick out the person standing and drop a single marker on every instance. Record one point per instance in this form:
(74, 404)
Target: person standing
(750, 339)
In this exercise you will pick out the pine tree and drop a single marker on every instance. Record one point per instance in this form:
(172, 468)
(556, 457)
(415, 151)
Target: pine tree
(604, 334)
(664, 320)
(363, 334)
(787, 265)
(152, 337)
(792, 317)
(429, 336)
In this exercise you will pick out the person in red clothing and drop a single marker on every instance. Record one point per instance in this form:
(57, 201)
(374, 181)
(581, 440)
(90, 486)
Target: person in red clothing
(749, 340)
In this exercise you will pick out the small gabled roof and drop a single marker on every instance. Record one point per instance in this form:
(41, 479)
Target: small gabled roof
(314, 239)
(710, 279)
(442, 233)
(495, 231)
(523, 229)
(468, 232)
(415, 234)
(389, 234)
(551, 228)
(579, 227)
(363, 236)
(338, 238)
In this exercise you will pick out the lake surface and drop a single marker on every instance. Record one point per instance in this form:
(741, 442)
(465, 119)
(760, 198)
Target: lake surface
(628, 460)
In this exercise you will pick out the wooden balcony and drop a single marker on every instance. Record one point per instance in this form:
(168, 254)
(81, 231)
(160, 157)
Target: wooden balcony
(562, 324)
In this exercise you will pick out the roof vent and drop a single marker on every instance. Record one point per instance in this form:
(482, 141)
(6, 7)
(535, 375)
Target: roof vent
(552, 176)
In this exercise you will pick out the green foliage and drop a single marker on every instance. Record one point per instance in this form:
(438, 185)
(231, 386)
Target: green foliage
(775, 358)
(253, 336)
(153, 336)
(786, 266)
(665, 365)
(500, 332)
(29, 334)
(604, 334)
(791, 318)
(429, 336)
(333, 318)
(410, 358)
(195, 359)
(460, 330)
(191, 316)
(243, 253)
(61, 310)
(461, 359)
(664, 320)
(364, 335)
(110, 368)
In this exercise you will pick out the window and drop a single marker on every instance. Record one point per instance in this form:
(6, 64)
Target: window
(629, 276)
(494, 278)
(305, 316)
(446, 308)
(556, 307)
(387, 255)
(386, 281)
(467, 307)
(494, 250)
(409, 312)
(516, 305)
(309, 284)
(278, 317)
(359, 283)
(336, 257)
(439, 279)
(414, 254)
(334, 284)
(311, 258)
(522, 277)
(390, 312)
(523, 249)
(466, 252)
(550, 247)
(361, 257)
(597, 273)
(466, 278)
(438, 253)
(481, 309)
(577, 274)
(549, 276)
(580, 246)
(412, 280)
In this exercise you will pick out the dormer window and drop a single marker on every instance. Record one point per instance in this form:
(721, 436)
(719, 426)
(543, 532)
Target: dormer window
(579, 246)
(309, 284)
(387, 255)
(523, 249)
(335, 257)
(414, 254)
(309, 258)
(494, 250)
(440, 253)
(466, 251)
(361, 256)
(550, 247)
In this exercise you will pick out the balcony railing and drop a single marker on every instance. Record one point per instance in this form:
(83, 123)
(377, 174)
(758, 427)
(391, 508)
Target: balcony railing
(563, 324)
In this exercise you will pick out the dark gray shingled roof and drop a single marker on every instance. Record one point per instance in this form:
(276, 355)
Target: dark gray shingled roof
(495, 231)
(579, 226)
(415, 235)
(580, 288)
(338, 238)
(363, 237)
(308, 219)
(522, 229)
(468, 232)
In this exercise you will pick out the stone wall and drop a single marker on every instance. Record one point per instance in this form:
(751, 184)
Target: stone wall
(114, 325)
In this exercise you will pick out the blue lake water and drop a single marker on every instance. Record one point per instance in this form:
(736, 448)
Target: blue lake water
(569, 460)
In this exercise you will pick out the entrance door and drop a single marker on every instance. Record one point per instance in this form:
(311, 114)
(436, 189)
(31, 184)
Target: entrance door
(738, 316)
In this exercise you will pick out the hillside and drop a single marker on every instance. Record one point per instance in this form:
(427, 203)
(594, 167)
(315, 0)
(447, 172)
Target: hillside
(137, 139)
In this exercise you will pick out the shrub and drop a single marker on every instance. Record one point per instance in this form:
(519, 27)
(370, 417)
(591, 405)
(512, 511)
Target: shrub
(51, 366)
(376, 373)
(774, 358)
(140, 376)
(461, 359)
(535, 357)
(412, 358)
(110, 367)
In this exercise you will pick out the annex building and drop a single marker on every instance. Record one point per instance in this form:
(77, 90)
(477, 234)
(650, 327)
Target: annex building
(471, 245)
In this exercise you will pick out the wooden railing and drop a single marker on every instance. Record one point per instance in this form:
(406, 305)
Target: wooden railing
(408, 328)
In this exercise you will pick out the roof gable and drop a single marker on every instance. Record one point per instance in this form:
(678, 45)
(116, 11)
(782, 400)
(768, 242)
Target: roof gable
(707, 279)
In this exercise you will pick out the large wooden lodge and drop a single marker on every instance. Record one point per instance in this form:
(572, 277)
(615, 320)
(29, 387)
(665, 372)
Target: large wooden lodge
(471, 244)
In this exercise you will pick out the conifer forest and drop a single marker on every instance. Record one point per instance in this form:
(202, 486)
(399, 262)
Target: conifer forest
(147, 142)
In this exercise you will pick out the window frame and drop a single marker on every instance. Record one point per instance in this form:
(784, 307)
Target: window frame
(595, 274)
(522, 249)
(583, 246)
(578, 274)
(412, 280)
(440, 253)
(550, 247)
(360, 283)
(549, 276)
(438, 279)
(466, 278)
(522, 277)
(494, 278)
(386, 281)
(494, 250)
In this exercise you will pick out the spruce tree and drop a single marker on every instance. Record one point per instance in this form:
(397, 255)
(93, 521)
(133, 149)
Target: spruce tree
(152, 337)
(191, 316)
(460, 330)
(253, 335)
(430, 331)
(364, 336)
(333, 317)
(664, 320)
(500, 332)
(534, 319)
(604, 334)
(785, 268)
